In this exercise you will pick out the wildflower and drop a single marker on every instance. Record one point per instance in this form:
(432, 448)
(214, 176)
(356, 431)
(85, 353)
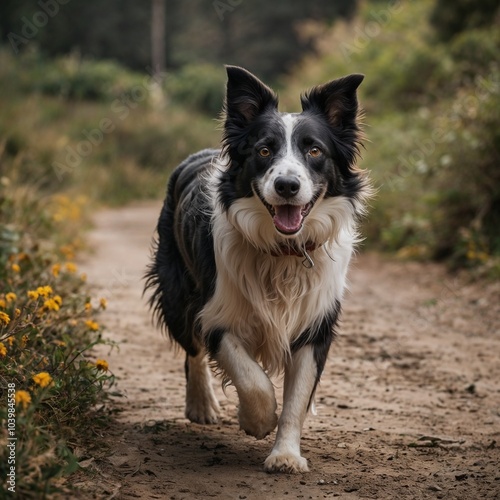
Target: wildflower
(2, 304)
(16, 268)
(88, 307)
(17, 312)
(23, 398)
(45, 291)
(103, 303)
(11, 297)
(43, 379)
(50, 305)
(56, 269)
(71, 267)
(92, 325)
(4, 318)
(68, 251)
(102, 364)
(33, 295)
(10, 340)
(24, 341)
(3, 350)
(57, 299)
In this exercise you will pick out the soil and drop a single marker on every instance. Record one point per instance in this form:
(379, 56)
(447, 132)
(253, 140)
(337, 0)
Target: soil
(408, 406)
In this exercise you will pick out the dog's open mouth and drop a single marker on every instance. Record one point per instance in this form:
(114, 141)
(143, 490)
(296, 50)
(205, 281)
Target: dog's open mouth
(288, 219)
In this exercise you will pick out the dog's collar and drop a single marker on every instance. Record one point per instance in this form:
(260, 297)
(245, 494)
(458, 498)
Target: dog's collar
(292, 249)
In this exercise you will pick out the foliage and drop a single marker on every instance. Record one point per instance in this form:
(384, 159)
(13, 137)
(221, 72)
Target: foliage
(451, 17)
(199, 87)
(433, 129)
(115, 148)
(261, 36)
(47, 332)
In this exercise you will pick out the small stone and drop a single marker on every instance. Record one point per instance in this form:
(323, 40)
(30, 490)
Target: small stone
(434, 487)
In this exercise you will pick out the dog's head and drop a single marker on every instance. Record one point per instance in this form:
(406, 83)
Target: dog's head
(282, 168)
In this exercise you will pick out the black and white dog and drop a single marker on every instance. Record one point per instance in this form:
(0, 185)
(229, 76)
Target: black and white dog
(254, 242)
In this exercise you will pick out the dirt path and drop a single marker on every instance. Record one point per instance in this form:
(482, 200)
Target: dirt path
(408, 407)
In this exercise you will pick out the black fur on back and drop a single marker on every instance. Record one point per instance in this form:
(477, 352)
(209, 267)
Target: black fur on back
(182, 273)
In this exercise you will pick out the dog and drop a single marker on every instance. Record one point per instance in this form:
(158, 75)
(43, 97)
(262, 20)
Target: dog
(253, 245)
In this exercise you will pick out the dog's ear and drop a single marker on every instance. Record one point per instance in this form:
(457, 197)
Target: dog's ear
(336, 100)
(246, 96)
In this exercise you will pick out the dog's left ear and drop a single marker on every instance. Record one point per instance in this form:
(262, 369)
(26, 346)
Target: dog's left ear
(246, 96)
(336, 100)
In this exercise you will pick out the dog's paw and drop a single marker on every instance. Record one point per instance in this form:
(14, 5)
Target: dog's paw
(202, 410)
(257, 414)
(258, 426)
(285, 462)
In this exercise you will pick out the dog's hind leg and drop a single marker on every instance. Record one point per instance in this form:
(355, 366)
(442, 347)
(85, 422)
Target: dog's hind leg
(201, 404)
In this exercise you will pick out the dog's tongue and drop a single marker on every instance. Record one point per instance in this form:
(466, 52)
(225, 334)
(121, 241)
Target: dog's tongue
(288, 218)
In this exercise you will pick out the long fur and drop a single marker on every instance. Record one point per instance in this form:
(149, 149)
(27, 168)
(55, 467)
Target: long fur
(254, 243)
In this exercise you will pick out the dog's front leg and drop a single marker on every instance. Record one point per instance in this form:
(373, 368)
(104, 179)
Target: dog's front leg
(300, 381)
(257, 410)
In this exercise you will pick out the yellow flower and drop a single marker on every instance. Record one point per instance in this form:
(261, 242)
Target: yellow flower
(33, 295)
(45, 291)
(2, 303)
(11, 296)
(3, 350)
(24, 341)
(17, 312)
(23, 398)
(58, 300)
(56, 269)
(102, 364)
(88, 306)
(51, 305)
(43, 379)
(71, 267)
(10, 340)
(68, 251)
(4, 318)
(103, 303)
(16, 268)
(92, 325)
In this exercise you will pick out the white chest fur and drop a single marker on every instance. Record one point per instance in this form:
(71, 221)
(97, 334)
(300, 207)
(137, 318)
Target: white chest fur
(268, 301)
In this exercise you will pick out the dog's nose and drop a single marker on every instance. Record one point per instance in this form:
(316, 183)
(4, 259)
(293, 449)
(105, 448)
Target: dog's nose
(287, 186)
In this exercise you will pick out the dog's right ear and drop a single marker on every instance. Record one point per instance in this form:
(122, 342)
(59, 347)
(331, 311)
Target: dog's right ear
(246, 96)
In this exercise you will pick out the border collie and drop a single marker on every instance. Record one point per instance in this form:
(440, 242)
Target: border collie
(254, 242)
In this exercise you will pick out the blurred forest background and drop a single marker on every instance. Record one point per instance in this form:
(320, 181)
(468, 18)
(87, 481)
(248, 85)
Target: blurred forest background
(83, 111)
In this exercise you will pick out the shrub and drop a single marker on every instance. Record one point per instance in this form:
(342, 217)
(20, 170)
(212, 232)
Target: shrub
(198, 86)
(48, 376)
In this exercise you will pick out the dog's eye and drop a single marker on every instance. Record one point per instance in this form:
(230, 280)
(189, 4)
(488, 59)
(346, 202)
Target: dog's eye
(315, 152)
(265, 152)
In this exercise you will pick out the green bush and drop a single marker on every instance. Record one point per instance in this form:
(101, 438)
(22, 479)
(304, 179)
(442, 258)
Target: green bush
(198, 86)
